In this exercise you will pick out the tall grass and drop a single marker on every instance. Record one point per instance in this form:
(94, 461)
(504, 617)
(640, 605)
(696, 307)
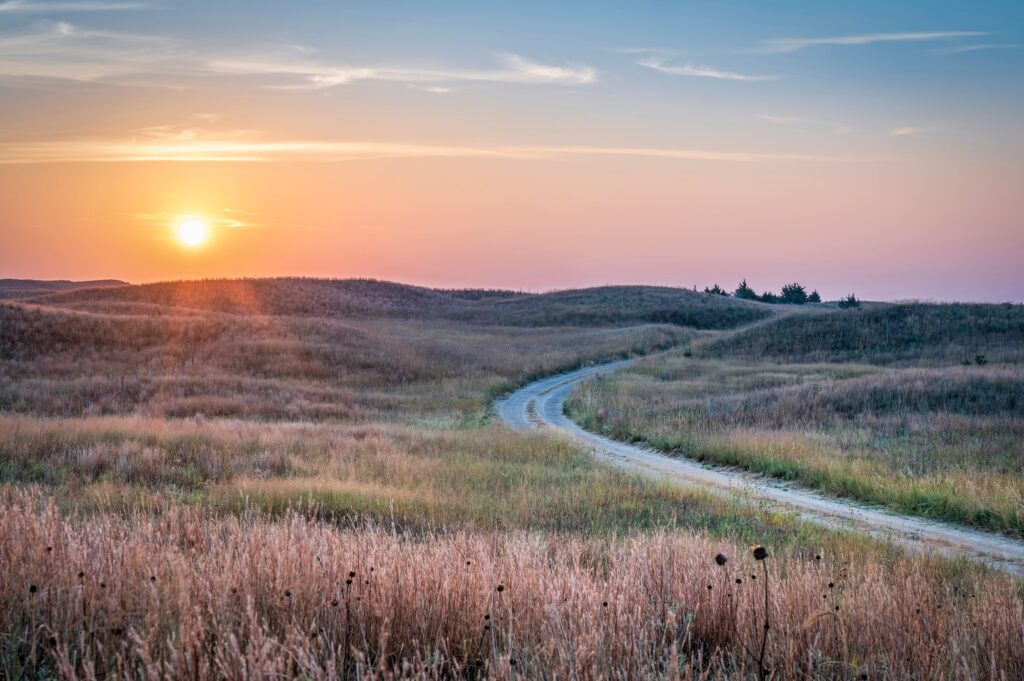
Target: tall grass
(368, 299)
(485, 477)
(906, 334)
(72, 363)
(186, 595)
(945, 444)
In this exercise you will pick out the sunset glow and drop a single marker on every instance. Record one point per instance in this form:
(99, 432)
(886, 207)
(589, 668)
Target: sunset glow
(529, 146)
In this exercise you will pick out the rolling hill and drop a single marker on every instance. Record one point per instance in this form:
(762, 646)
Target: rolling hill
(362, 298)
(11, 289)
(931, 334)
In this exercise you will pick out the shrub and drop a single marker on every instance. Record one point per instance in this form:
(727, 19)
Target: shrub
(849, 301)
(716, 290)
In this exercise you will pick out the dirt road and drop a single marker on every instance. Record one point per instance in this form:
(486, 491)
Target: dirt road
(541, 403)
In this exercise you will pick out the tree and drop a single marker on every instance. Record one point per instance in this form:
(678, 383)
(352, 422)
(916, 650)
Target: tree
(815, 297)
(849, 301)
(745, 292)
(717, 290)
(794, 294)
(768, 297)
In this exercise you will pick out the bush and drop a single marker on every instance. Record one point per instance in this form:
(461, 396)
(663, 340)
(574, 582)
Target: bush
(716, 290)
(849, 301)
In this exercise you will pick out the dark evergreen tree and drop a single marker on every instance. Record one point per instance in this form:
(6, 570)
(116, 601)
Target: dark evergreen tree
(717, 290)
(815, 297)
(744, 292)
(794, 294)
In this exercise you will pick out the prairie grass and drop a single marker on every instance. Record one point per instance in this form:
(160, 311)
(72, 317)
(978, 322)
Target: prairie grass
(940, 443)
(58, 362)
(190, 595)
(904, 334)
(483, 477)
(369, 299)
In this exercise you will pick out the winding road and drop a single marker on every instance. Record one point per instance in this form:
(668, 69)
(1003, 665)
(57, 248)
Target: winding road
(540, 404)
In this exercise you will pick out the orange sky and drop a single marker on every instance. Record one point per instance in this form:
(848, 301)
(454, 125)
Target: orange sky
(886, 164)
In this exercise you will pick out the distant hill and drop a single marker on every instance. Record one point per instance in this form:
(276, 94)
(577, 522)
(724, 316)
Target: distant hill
(915, 333)
(363, 298)
(28, 288)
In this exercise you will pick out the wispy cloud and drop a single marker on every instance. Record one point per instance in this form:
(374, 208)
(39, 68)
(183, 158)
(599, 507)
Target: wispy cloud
(801, 121)
(985, 46)
(60, 50)
(185, 144)
(908, 130)
(659, 64)
(310, 74)
(782, 120)
(433, 89)
(230, 218)
(33, 7)
(794, 44)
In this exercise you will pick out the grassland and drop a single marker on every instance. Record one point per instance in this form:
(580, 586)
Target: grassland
(189, 595)
(911, 334)
(299, 479)
(170, 362)
(902, 431)
(367, 299)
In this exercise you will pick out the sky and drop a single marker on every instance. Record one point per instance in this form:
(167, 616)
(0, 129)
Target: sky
(868, 147)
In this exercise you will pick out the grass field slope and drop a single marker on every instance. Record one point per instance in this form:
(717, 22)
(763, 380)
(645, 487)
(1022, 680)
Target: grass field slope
(915, 333)
(11, 289)
(605, 306)
(919, 408)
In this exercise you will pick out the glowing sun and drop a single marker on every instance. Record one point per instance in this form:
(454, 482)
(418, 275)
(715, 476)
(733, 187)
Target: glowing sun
(192, 232)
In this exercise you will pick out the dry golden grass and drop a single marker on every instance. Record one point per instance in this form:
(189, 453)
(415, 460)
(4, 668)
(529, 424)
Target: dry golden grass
(177, 363)
(942, 443)
(482, 477)
(368, 299)
(186, 595)
(903, 334)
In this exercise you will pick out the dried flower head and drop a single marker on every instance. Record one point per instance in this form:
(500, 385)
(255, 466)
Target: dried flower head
(760, 552)
(721, 559)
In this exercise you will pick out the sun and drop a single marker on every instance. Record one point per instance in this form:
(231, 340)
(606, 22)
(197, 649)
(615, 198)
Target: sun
(192, 232)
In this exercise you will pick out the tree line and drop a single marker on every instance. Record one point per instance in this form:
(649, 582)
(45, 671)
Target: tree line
(791, 294)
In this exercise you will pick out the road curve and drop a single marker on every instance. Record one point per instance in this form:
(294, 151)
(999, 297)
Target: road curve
(540, 404)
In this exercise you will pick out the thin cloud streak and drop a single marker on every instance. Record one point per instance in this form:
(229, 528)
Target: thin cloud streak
(30, 7)
(658, 64)
(794, 44)
(907, 130)
(228, 148)
(59, 50)
(229, 218)
(62, 51)
(316, 75)
(989, 46)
